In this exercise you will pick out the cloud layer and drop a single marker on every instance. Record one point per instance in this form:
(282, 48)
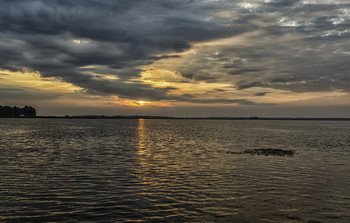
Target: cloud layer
(255, 47)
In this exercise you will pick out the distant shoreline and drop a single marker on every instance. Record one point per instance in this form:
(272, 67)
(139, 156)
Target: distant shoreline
(192, 118)
(30, 112)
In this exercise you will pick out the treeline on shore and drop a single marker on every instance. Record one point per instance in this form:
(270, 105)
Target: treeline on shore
(16, 112)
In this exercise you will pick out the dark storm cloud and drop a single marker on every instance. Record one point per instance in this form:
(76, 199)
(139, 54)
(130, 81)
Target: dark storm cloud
(243, 85)
(226, 101)
(261, 93)
(203, 77)
(300, 46)
(246, 70)
(119, 35)
(136, 91)
(283, 3)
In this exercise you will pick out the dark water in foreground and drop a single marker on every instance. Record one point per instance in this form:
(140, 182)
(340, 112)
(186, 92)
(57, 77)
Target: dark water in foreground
(173, 171)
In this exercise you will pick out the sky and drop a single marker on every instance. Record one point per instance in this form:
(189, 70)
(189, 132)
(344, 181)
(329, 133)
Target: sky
(271, 58)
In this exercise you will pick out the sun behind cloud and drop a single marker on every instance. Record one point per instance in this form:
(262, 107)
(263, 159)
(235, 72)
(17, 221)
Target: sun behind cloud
(141, 103)
(136, 103)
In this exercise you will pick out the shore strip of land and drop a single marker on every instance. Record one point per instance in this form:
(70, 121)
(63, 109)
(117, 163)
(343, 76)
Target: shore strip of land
(193, 118)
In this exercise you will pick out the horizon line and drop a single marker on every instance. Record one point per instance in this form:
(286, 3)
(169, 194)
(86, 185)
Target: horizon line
(189, 117)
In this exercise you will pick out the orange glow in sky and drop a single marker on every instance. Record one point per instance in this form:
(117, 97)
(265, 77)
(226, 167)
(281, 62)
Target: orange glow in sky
(135, 103)
(192, 58)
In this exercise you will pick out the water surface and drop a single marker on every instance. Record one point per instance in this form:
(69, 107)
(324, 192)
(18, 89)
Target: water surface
(173, 171)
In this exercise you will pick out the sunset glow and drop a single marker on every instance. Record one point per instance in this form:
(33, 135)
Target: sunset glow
(135, 103)
(175, 110)
(34, 80)
(256, 56)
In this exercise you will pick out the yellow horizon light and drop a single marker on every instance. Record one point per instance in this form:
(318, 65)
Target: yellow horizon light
(135, 103)
(143, 102)
(34, 80)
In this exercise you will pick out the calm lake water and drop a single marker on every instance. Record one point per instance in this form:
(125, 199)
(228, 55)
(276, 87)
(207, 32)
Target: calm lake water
(173, 171)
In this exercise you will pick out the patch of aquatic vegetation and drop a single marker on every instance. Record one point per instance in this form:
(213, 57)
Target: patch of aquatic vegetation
(260, 152)
(269, 151)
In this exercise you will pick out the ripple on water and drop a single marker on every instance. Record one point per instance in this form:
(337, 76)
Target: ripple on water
(173, 170)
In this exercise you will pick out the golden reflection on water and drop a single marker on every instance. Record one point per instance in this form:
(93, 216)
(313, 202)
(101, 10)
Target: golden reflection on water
(141, 136)
(173, 173)
(153, 167)
(143, 157)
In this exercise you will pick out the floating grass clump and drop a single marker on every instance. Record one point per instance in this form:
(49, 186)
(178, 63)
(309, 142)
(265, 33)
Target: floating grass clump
(269, 151)
(259, 152)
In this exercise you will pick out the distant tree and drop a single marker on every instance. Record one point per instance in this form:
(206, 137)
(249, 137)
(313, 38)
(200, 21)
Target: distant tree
(28, 111)
(6, 111)
(15, 112)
